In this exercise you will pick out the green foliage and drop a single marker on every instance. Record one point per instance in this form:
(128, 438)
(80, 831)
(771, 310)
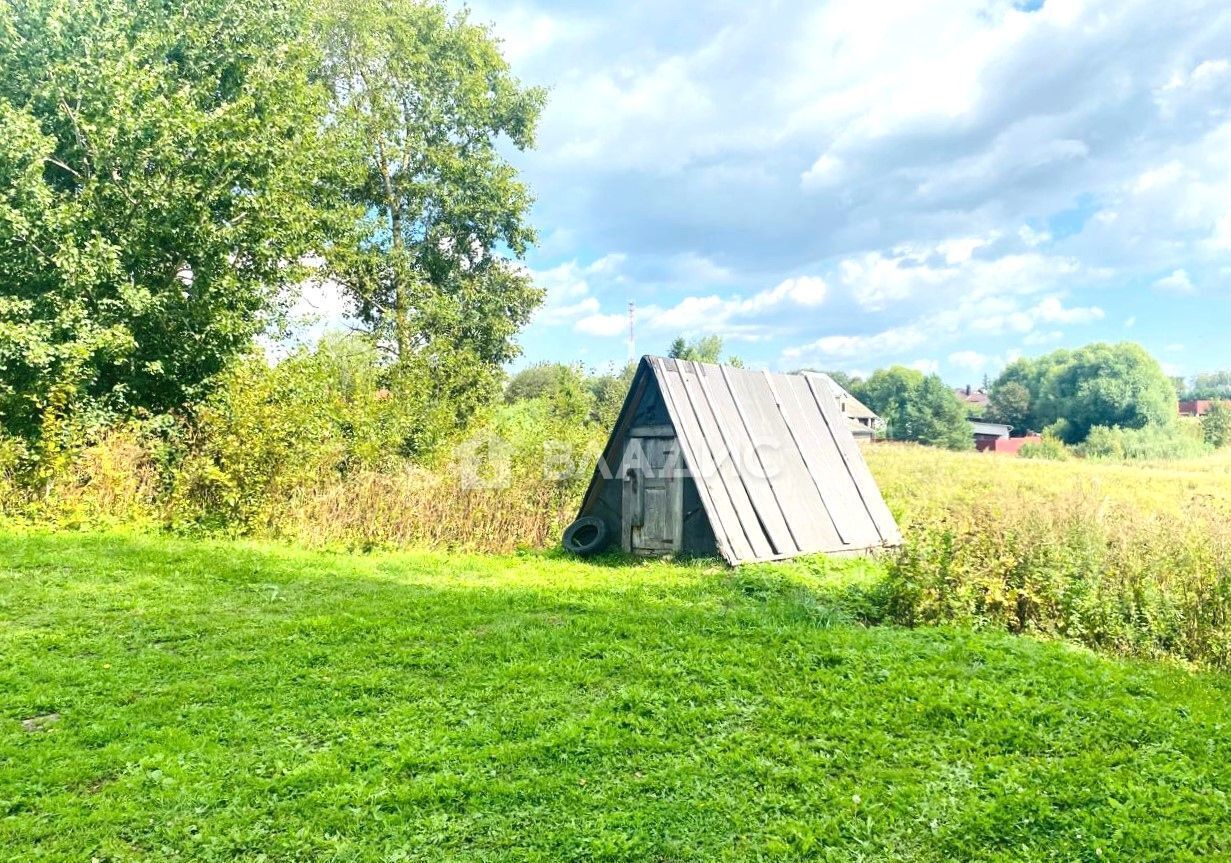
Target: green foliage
(425, 103)
(609, 394)
(269, 433)
(1152, 443)
(1121, 556)
(916, 407)
(576, 396)
(1210, 385)
(158, 171)
(566, 385)
(1050, 447)
(706, 349)
(1099, 384)
(216, 698)
(1216, 425)
(1009, 403)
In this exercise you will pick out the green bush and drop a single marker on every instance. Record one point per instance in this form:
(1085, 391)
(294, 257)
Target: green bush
(1050, 447)
(268, 433)
(1216, 425)
(1110, 576)
(1156, 443)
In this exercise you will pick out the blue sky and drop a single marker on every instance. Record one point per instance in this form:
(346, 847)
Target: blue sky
(847, 185)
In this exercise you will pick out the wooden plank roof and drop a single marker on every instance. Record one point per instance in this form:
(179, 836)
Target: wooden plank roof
(776, 467)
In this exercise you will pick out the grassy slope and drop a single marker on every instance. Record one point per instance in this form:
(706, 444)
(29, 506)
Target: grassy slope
(237, 702)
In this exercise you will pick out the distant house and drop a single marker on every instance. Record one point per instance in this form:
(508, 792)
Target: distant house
(987, 434)
(1198, 407)
(976, 398)
(863, 422)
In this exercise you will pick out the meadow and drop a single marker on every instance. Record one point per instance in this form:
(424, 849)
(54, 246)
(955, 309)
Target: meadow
(219, 700)
(1130, 557)
(1127, 557)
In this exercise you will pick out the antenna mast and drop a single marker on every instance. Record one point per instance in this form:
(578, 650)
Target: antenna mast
(632, 331)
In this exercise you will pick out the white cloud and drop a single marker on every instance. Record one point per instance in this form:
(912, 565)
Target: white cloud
(602, 325)
(735, 315)
(970, 360)
(928, 367)
(1032, 237)
(825, 172)
(568, 288)
(950, 269)
(980, 316)
(825, 350)
(967, 172)
(1176, 283)
(807, 291)
(1052, 311)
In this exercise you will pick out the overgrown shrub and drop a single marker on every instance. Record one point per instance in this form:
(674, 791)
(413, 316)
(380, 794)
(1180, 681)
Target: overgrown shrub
(1216, 425)
(1050, 447)
(1127, 557)
(1155, 443)
(1101, 573)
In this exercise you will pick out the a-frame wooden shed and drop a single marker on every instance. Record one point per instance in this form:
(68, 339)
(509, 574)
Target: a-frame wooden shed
(751, 465)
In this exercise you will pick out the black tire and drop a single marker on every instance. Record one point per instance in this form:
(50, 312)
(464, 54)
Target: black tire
(586, 536)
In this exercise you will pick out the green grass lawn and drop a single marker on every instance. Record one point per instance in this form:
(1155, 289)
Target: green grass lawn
(240, 702)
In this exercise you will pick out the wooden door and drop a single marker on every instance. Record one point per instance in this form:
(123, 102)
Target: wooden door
(653, 501)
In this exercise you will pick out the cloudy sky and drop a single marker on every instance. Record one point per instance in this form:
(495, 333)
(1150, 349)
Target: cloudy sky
(850, 184)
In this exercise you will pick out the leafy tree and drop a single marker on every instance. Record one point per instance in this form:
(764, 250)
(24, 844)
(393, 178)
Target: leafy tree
(706, 349)
(564, 387)
(535, 381)
(1070, 392)
(1216, 425)
(158, 168)
(1009, 403)
(609, 393)
(1210, 385)
(1110, 385)
(426, 99)
(916, 407)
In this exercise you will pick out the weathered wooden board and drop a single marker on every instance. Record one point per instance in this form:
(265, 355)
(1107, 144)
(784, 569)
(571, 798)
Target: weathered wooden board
(718, 485)
(781, 463)
(860, 475)
(742, 450)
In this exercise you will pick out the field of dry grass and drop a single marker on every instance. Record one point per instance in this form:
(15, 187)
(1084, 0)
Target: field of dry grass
(1126, 557)
(917, 480)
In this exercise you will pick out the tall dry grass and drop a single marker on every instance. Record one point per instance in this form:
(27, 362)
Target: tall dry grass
(423, 508)
(1130, 558)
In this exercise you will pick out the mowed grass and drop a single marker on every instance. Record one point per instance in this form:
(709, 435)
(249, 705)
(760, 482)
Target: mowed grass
(224, 701)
